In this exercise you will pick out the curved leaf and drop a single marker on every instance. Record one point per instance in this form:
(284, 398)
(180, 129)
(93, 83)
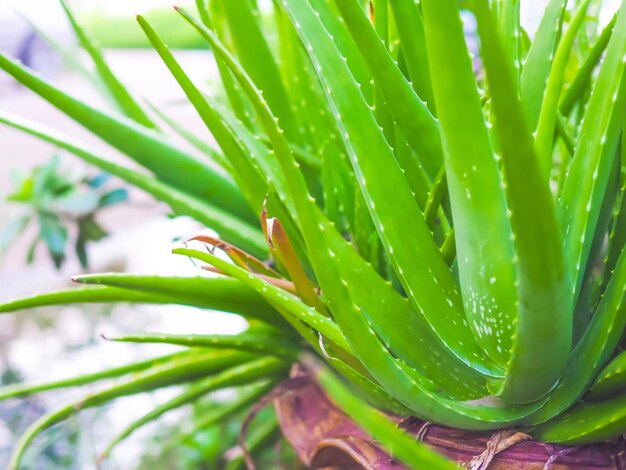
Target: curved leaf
(13, 391)
(586, 423)
(611, 381)
(259, 369)
(221, 294)
(399, 221)
(393, 439)
(182, 370)
(120, 94)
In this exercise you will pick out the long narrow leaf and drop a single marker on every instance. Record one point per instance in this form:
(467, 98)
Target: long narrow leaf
(543, 333)
(254, 54)
(13, 391)
(482, 226)
(593, 350)
(247, 341)
(259, 369)
(118, 91)
(538, 62)
(274, 295)
(193, 139)
(580, 203)
(221, 294)
(410, 26)
(245, 398)
(398, 220)
(408, 111)
(143, 145)
(584, 75)
(549, 108)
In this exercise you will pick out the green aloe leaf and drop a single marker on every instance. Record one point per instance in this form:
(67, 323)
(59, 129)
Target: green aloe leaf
(240, 106)
(399, 222)
(548, 114)
(410, 24)
(14, 391)
(482, 225)
(509, 28)
(410, 114)
(216, 293)
(250, 180)
(586, 182)
(282, 148)
(118, 91)
(538, 62)
(611, 381)
(584, 75)
(593, 350)
(255, 55)
(586, 423)
(318, 129)
(226, 295)
(336, 28)
(193, 139)
(275, 296)
(252, 163)
(543, 326)
(384, 309)
(617, 235)
(271, 345)
(246, 397)
(262, 158)
(594, 280)
(384, 368)
(258, 157)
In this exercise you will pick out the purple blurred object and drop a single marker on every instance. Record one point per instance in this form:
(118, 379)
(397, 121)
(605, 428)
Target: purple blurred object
(20, 40)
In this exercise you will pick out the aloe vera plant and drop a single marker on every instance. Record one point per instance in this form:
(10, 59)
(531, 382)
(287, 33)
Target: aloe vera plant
(436, 236)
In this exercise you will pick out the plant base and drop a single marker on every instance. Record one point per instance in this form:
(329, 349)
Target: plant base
(325, 438)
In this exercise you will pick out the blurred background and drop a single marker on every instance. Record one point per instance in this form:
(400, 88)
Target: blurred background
(100, 225)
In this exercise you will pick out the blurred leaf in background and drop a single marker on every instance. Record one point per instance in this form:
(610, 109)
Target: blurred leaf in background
(63, 203)
(121, 32)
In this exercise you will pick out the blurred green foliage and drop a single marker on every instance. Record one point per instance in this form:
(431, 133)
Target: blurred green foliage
(64, 204)
(121, 32)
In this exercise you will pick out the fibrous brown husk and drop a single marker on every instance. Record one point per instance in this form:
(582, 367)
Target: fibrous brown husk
(325, 438)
